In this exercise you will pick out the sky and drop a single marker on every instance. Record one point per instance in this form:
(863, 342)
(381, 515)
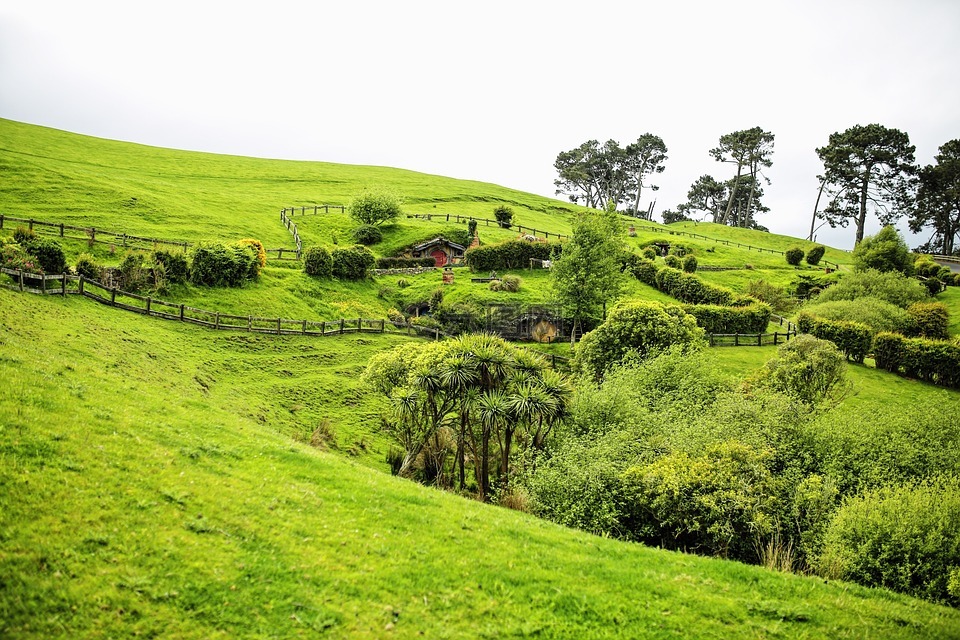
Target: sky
(493, 90)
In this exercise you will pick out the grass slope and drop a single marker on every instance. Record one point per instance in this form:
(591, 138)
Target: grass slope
(142, 494)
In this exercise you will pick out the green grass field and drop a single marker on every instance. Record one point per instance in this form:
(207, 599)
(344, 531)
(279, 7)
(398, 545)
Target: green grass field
(160, 479)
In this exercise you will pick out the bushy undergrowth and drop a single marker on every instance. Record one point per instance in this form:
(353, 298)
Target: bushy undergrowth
(514, 254)
(875, 313)
(318, 262)
(352, 263)
(217, 264)
(891, 286)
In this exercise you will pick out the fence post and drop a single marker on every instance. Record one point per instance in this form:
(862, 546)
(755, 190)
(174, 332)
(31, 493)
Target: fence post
(181, 313)
(148, 305)
(776, 338)
(81, 284)
(216, 321)
(249, 323)
(31, 224)
(63, 286)
(21, 280)
(736, 339)
(341, 326)
(314, 209)
(113, 295)
(383, 325)
(1, 221)
(711, 339)
(278, 326)
(304, 327)
(759, 339)
(61, 229)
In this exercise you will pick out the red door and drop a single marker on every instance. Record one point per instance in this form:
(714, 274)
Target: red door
(439, 257)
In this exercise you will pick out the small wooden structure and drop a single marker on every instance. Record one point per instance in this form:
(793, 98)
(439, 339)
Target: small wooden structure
(443, 251)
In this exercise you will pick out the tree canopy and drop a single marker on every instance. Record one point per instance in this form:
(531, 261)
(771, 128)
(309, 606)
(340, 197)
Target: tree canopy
(867, 168)
(597, 174)
(375, 207)
(750, 150)
(938, 200)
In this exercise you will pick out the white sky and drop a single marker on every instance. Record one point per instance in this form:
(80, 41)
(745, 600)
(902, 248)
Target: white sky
(492, 90)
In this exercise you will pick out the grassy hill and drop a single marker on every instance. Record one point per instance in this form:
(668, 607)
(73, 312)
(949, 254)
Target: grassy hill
(161, 479)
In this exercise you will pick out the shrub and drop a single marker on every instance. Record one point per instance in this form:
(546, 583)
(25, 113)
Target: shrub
(815, 254)
(13, 256)
(853, 338)
(715, 503)
(374, 207)
(806, 368)
(396, 317)
(690, 264)
(514, 254)
(495, 285)
(672, 261)
(504, 215)
(404, 263)
(933, 285)
(215, 264)
(88, 267)
(317, 261)
(902, 538)
(472, 228)
(650, 253)
(929, 320)
(436, 299)
(134, 276)
(403, 283)
(794, 256)
(367, 234)
(877, 314)
(773, 295)
(352, 263)
(24, 235)
(175, 265)
(258, 249)
(721, 319)
(933, 361)
(924, 266)
(511, 283)
(891, 286)
(642, 328)
(885, 251)
(49, 255)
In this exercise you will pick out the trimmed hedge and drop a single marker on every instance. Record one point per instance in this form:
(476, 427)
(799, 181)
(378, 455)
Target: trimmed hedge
(794, 255)
(513, 254)
(687, 287)
(936, 361)
(175, 265)
(404, 263)
(815, 254)
(318, 262)
(929, 320)
(718, 319)
(853, 338)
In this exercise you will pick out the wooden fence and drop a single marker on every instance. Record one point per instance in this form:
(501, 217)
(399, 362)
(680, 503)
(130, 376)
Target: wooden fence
(448, 217)
(292, 228)
(749, 339)
(306, 210)
(36, 283)
(92, 234)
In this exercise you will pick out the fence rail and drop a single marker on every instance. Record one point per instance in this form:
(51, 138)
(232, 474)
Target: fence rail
(92, 234)
(292, 228)
(305, 210)
(487, 222)
(749, 339)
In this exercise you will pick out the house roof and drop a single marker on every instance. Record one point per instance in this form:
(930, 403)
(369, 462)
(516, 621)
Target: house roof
(436, 241)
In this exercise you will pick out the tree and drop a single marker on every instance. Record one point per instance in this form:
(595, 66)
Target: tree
(885, 251)
(645, 157)
(503, 215)
(374, 207)
(867, 168)
(749, 149)
(587, 274)
(938, 200)
(706, 195)
(809, 369)
(597, 174)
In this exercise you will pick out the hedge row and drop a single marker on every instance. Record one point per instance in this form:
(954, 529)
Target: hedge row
(513, 254)
(713, 318)
(852, 338)
(404, 263)
(216, 264)
(934, 361)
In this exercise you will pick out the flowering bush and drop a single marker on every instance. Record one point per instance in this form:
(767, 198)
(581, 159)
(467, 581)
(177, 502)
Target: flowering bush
(13, 256)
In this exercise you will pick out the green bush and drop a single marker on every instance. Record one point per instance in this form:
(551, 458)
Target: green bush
(403, 283)
(14, 256)
(929, 320)
(891, 286)
(24, 235)
(717, 503)
(649, 253)
(689, 288)
(690, 264)
(773, 295)
(808, 369)
(673, 261)
(49, 255)
(504, 215)
(88, 267)
(877, 314)
(853, 338)
(924, 266)
(794, 256)
(215, 264)
(810, 286)
(404, 263)
(317, 261)
(906, 539)
(936, 361)
(637, 327)
(176, 267)
(714, 318)
(134, 275)
(514, 254)
(374, 207)
(511, 283)
(352, 263)
(885, 251)
(367, 234)
(815, 254)
(933, 285)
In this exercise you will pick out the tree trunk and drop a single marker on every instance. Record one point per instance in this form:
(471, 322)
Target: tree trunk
(862, 216)
(484, 479)
(505, 462)
(816, 206)
(733, 195)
